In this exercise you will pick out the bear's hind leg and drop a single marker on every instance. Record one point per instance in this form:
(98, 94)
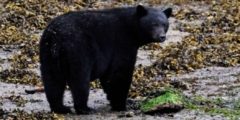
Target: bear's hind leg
(54, 86)
(79, 85)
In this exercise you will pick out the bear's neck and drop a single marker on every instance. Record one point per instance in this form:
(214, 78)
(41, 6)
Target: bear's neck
(132, 23)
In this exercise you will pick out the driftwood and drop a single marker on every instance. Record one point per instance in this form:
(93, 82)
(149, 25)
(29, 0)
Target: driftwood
(32, 91)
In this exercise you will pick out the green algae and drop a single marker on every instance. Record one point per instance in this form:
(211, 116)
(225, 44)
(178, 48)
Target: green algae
(169, 96)
(214, 106)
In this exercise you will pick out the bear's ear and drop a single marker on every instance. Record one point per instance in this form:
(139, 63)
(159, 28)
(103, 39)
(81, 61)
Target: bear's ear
(141, 11)
(168, 12)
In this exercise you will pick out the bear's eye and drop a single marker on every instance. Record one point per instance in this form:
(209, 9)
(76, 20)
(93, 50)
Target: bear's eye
(164, 25)
(155, 24)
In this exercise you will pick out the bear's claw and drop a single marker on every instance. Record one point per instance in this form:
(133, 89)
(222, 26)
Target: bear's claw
(62, 110)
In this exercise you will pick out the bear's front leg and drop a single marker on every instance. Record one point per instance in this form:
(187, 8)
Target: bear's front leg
(118, 87)
(79, 85)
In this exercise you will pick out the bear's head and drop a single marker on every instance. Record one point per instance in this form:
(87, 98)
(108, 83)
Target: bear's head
(153, 23)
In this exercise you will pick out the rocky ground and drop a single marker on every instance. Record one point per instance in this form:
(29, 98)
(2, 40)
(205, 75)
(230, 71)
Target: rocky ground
(215, 87)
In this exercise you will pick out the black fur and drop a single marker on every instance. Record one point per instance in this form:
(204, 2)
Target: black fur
(78, 47)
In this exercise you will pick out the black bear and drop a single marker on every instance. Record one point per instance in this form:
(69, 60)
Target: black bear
(81, 46)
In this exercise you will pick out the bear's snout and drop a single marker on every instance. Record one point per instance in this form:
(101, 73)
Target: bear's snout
(159, 38)
(159, 34)
(162, 38)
